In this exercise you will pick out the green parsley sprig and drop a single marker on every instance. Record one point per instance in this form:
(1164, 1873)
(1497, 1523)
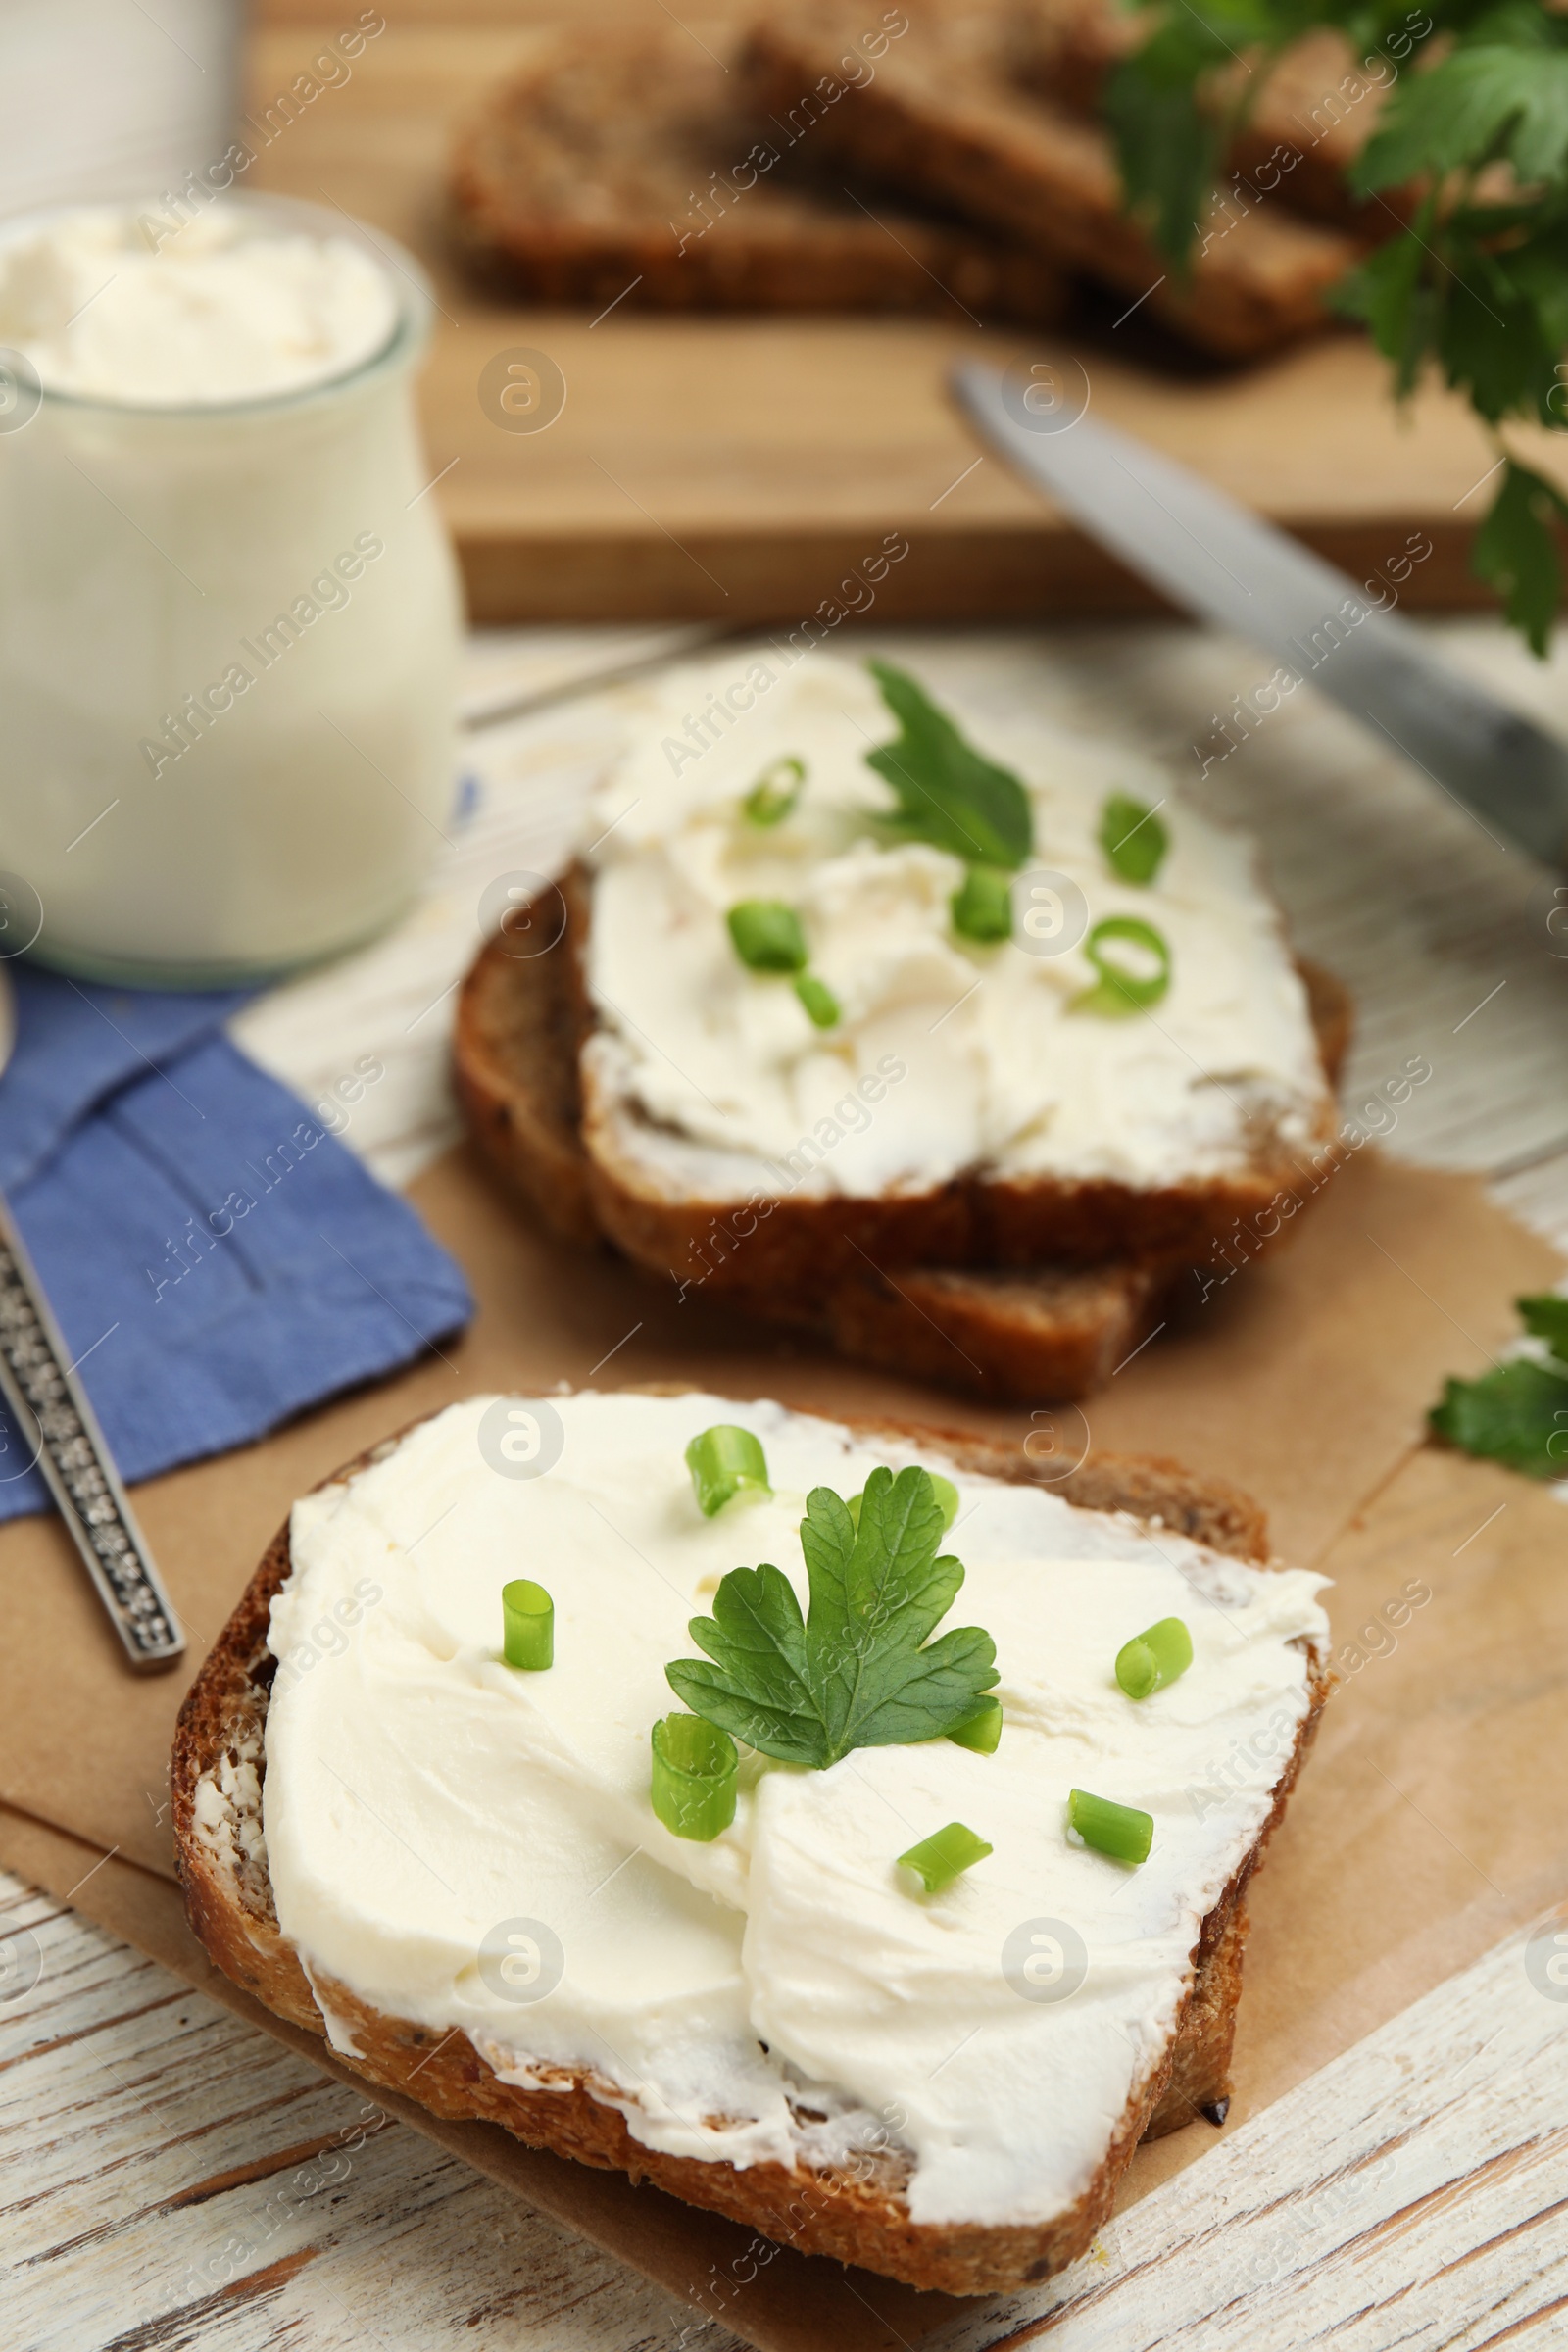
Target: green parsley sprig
(1476, 285)
(1517, 1412)
(954, 798)
(859, 1670)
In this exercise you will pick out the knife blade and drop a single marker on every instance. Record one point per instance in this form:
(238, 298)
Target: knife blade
(1215, 558)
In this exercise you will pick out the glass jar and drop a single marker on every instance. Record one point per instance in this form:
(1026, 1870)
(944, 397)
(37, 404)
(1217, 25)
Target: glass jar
(228, 646)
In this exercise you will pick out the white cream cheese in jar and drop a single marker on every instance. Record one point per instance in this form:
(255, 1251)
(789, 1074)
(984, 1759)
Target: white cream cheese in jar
(228, 616)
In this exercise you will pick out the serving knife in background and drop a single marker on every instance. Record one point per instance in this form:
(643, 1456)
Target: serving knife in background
(1215, 559)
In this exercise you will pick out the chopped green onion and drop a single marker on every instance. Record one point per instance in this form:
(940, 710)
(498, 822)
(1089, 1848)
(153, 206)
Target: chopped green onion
(722, 1463)
(1133, 838)
(940, 1859)
(775, 792)
(819, 1001)
(943, 1489)
(528, 1615)
(981, 1731)
(1119, 1830)
(982, 909)
(1154, 1658)
(768, 936)
(693, 1776)
(1120, 990)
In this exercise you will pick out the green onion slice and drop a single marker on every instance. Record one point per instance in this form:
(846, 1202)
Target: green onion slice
(768, 936)
(775, 792)
(1119, 1830)
(982, 909)
(1121, 989)
(723, 1462)
(693, 1776)
(1133, 839)
(944, 1490)
(982, 1731)
(1153, 1657)
(944, 1857)
(819, 1001)
(528, 1615)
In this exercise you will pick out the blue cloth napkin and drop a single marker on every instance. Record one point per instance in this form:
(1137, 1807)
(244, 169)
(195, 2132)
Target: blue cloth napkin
(216, 1259)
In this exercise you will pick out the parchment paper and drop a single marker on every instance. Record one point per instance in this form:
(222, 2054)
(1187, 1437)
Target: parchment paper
(1425, 1827)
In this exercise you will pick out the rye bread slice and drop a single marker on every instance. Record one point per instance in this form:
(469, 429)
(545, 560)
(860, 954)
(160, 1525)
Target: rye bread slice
(1035, 1333)
(217, 1777)
(609, 169)
(946, 118)
(521, 1080)
(1039, 1333)
(1311, 114)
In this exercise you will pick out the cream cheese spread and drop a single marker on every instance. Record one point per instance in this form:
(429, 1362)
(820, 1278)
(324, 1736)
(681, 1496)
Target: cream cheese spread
(784, 1993)
(220, 311)
(722, 1070)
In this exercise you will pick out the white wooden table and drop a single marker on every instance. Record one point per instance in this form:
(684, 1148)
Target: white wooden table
(173, 2177)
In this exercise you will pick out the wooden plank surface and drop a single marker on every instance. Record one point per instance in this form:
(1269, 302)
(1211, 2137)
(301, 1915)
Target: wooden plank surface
(739, 468)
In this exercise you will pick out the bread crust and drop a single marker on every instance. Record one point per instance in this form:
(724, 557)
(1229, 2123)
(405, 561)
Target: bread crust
(1044, 1331)
(619, 172)
(854, 2212)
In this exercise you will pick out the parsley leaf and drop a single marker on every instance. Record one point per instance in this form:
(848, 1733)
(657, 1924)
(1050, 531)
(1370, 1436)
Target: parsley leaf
(859, 1670)
(1516, 550)
(1482, 102)
(1476, 285)
(948, 794)
(1518, 1412)
(1171, 148)
(1546, 1317)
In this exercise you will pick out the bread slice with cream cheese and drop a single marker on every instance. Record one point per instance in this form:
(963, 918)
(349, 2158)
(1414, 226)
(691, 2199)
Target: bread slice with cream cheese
(1030, 1333)
(973, 1166)
(777, 2024)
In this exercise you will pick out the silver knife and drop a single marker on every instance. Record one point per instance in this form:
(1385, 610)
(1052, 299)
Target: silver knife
(1216, 559)
(49, 1412)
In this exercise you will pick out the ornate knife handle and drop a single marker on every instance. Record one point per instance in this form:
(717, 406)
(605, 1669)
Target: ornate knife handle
(49, 1407)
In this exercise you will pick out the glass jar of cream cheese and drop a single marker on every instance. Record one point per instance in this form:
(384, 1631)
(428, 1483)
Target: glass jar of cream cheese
(228, 612)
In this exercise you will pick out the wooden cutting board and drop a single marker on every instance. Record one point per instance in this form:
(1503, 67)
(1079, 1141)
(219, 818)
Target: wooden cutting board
(739, 468)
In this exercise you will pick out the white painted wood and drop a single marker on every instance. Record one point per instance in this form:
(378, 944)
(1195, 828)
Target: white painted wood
(171, 2176)
(1411, 2198)
(1414, 2193)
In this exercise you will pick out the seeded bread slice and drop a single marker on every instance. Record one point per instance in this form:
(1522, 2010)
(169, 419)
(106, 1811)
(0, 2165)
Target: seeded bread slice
(946, 118)
(856, 2214)
(1307, 123)
(612, 170)
(1030, 1332)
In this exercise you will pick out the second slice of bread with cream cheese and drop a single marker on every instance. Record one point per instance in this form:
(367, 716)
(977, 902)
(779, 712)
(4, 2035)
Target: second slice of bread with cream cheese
(463, 1870)
(1019, 1004)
